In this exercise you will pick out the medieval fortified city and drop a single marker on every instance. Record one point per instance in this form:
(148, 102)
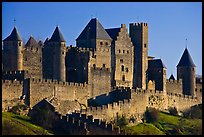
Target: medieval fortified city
(108, 74)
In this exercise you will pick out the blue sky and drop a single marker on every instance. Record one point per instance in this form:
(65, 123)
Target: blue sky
(170, 23)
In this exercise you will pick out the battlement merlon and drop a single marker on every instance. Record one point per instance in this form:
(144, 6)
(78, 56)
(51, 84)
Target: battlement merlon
(138, 24)
(53, 81)
(174, 81)
(15, 82)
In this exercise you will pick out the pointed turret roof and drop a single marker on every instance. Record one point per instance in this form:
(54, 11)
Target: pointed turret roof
(31, 42)
(172, 77)
(156, 63)
(186, 60)
(57, 36)
(14, 36)
(94, 30)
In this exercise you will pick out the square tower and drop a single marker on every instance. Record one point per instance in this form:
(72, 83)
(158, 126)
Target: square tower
(139, 36)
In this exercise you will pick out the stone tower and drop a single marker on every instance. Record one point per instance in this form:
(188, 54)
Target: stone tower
(100, 75)
(54, 56)
(186, 70)
(157, 72)
(123, 57)
(32, 58)
(139, 36)
(12, 52)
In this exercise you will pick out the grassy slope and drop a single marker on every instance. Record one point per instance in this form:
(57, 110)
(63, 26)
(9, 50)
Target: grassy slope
(169, 125)
(20, 125)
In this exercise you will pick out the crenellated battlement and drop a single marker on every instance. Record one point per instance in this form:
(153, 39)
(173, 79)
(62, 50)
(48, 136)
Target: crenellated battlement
(77, 122)
(181, 96)
(11, 82)
(80, 49)
(138, 24)
(53, 81)
(174, 81)
(17, 72)
(12, 75)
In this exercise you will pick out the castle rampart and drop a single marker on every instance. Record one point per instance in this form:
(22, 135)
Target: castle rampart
(174, 86)
(11, 93)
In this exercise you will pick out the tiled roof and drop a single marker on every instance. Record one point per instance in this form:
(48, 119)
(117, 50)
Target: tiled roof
(57, 36)
(14, 36)
(186, 59)
(94, 30)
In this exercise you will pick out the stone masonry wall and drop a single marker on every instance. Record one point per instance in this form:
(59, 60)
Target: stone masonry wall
(174, 86)
(11, 92)
(40, 89)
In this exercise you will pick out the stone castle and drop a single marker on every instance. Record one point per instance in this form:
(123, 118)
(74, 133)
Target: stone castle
(108, 73)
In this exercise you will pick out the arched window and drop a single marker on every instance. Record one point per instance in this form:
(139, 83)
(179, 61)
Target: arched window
(119, 50)
(101, 43)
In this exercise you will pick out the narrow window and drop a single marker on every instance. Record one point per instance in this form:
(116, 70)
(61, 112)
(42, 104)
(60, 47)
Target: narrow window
(119, 50)
(126, 69)
(145, 45)
(40, 59)
(106, 43)
(19, 44)
(121, 60)
(94, 66)
(101, 43)
(122, 68)
(123, 78)
(104, 65)
(25, 59)
(123, 51)
(127, 51)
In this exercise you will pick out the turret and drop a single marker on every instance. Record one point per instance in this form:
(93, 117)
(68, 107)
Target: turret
(186, 70)
(139, 36)
(12, 52)
(54, 52)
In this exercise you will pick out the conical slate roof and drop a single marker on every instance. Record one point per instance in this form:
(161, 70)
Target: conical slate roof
(14, 36)
(94, 30)
(57, 36)
(186, 60)
(172, 77)
(31, 42)
(156, 63)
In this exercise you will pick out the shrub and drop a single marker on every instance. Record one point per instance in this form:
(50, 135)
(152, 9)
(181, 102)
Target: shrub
(173, 111)
(194, 112)
(121, 121)
(151, 115)
(19, 108)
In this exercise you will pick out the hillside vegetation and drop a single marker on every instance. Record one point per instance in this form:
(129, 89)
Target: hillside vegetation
(167, 124)
(13, 124)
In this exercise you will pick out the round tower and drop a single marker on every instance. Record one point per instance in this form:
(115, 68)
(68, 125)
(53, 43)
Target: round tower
(186, 70)
(12, 52)
(58, 45)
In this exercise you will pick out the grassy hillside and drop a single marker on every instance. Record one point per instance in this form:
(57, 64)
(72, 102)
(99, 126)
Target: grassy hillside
(13, 124)
(169, 125)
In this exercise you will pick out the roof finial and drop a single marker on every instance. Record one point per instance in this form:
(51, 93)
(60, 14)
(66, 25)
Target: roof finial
(186, 43)
(14, 21)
